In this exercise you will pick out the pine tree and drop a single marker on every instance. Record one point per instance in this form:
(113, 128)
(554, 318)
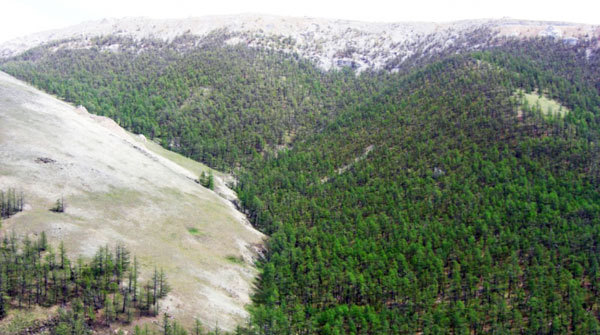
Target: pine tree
(211, 180)
(198, 327)
(166, 326)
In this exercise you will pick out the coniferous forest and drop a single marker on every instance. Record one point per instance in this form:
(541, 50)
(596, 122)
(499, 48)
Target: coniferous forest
(435, 200)
(11, 203)
(93, 294)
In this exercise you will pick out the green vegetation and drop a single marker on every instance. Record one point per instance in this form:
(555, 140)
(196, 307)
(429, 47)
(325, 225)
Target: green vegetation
(387, 247)
(97, 293)
(223, 106)
(545, 105)
(10, 203)
(235, 260)
(22, 320)
(193, 230)
(473, 213)
(207, 180)
(183, 161)
(59, 206)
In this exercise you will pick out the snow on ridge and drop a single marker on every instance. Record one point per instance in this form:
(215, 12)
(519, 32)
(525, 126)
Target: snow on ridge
(330, 43)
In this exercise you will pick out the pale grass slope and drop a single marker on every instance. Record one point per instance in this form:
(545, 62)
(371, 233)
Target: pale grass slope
(546, 106)
(119, 188)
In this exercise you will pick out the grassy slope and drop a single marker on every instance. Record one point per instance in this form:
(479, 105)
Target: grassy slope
(547, 106)
(185, 162)
(118, 192)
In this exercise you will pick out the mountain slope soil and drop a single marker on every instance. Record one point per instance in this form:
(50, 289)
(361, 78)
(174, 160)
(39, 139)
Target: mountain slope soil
(116, 190)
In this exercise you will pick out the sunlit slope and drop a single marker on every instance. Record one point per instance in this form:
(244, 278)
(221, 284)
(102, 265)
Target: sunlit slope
(118, 191)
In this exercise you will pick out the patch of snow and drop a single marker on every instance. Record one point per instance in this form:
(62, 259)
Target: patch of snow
(329, 43)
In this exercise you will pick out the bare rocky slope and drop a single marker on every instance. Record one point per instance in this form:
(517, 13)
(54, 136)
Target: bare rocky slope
(329, 43)
(119, 188)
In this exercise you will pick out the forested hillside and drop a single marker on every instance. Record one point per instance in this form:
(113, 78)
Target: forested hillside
(465, 217)
(436, 201)
(220, 105)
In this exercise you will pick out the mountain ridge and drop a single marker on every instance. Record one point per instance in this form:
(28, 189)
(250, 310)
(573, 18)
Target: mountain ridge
(330, 43)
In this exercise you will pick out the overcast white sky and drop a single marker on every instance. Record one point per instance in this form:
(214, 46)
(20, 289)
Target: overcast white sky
(22, 17)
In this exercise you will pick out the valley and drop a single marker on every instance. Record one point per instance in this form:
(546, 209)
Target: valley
(392, 178)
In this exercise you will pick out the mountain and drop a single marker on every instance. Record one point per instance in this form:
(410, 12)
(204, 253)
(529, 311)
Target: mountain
(446, 185)
(446, 203)
(119, 188)
(182, 90)
(327, 43)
